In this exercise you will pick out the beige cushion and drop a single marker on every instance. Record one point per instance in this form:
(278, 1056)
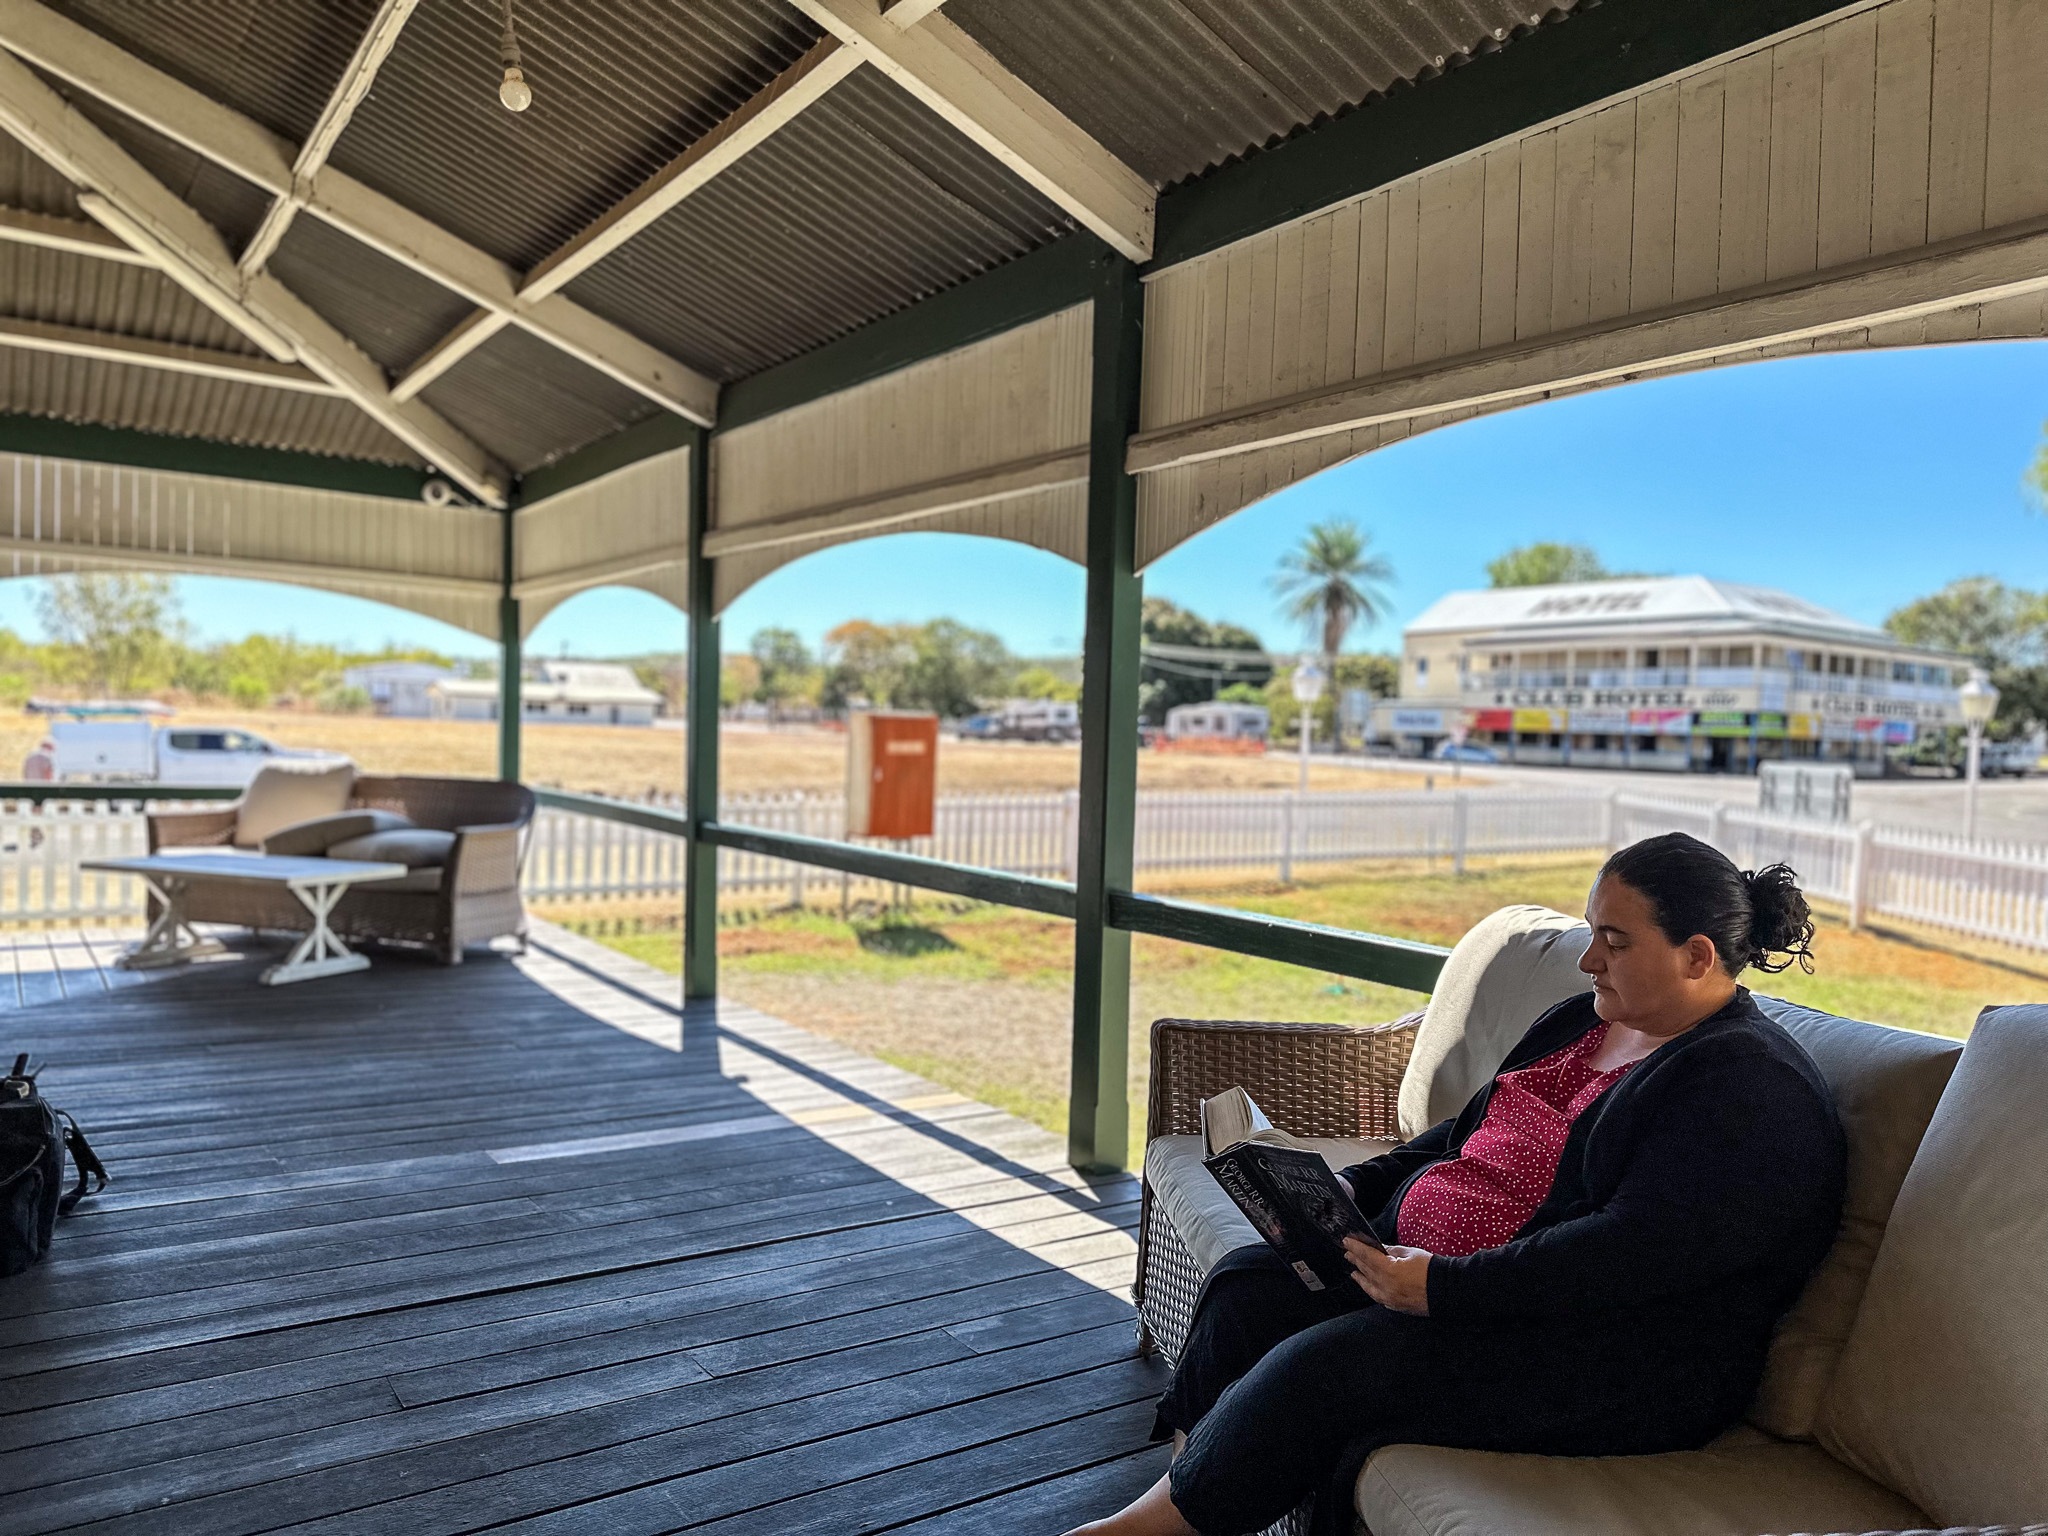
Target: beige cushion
(1942, 1390)
(1194, 1202)
(310, 839)
(414, 847)
(1741, 1485)
(1886, 1083)
(1503, 974)
(284, 794)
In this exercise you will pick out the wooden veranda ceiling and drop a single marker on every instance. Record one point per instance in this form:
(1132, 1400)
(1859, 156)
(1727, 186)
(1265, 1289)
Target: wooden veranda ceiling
(310, 224)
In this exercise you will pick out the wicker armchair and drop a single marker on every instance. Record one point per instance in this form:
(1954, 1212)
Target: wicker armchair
(1310, 1079)
(475, 900)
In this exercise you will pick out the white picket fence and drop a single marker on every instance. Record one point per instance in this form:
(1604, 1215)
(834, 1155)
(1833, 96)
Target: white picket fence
(1986, 890)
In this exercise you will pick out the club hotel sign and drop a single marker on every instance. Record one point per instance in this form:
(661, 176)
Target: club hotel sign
(1674, 672)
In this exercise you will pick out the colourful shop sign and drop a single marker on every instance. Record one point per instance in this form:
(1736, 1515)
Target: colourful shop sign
(1661, 722)
(1419, 722)
(1722, 722)
(1898, 733)
(1770, 724)
(1539, 719)
(1804, 728)
(1493, 720)
(1608, 721)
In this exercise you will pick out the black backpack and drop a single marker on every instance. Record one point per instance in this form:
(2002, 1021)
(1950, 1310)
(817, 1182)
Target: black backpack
(34, 1136)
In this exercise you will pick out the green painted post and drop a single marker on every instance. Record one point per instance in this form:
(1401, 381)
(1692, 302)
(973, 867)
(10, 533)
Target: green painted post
(508, 667)
(700, 778)
(1098, 1107)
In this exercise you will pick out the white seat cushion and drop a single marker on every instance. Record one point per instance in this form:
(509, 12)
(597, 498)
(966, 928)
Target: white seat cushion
(1506, 972)
(1942, 1389)
(284, 794)
(1742, 1485)
(1194, 1202)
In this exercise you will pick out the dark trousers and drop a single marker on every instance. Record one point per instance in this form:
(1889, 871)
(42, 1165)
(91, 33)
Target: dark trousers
(1283, 1392)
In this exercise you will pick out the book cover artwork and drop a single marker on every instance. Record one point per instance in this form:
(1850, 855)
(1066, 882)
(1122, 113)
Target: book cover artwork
(1285, 1190)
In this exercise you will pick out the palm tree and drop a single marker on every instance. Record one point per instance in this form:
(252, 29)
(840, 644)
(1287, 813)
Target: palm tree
(1332, 581)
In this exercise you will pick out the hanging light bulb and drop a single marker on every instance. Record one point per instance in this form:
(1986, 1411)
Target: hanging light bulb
(513, 90)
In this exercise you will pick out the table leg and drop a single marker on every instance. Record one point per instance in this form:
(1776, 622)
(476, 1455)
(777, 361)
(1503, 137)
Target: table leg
(171, 940)
(320, 952)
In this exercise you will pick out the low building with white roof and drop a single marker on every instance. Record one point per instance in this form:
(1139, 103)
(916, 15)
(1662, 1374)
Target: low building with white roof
(567, 692)
(1674, 672)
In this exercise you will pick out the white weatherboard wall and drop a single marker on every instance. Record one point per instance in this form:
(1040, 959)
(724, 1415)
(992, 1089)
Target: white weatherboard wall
(1879, 179)
(629, 528)
(988, 439)
(63, 515)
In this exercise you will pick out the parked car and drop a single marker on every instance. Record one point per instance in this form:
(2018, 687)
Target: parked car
(2018, 758)
(1464, 752)
(114, 750)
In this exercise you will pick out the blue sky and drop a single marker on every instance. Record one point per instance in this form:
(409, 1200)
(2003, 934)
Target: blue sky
(1858, 480)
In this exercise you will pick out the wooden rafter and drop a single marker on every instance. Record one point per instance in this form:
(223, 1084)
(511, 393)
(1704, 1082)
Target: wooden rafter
(378, 40)
(218, 133)
(76, 237)
(965, 84)
(167, 357)
(119, 193)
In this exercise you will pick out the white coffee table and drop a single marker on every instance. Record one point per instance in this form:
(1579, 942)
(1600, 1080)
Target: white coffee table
(317, 883)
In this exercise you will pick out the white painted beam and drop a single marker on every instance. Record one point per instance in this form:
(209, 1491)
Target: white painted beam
(378, 40)
(76, 237)
(120, 194)
(168, 357)
(166, 104)
(801, 85)
(1928, 281)
(965, 84)
(478, 328)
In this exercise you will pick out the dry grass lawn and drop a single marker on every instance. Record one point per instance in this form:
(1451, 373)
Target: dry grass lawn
(624, 760)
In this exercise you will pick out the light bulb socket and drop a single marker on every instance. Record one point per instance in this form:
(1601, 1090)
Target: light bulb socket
(513, 91)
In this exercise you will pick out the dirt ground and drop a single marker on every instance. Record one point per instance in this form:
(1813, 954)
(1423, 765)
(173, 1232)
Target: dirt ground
(628, 760)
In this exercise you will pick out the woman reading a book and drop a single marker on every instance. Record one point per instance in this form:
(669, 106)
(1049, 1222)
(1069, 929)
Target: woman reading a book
(1588, 1260)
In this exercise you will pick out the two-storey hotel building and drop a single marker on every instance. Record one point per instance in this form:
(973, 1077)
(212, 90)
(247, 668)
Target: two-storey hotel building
(1680, 672)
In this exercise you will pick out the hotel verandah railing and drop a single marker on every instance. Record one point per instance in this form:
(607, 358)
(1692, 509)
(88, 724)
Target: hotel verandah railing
(583, 847)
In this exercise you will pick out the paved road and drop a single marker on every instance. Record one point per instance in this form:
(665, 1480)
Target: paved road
(2015, 809)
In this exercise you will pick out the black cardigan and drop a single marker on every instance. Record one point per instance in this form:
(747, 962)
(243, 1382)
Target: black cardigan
(1691, 1201)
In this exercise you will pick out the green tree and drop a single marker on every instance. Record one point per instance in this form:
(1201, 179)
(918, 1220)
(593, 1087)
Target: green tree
(865, 662)
(1377, 672)
(953, 670)
(1546, 564)
(789, 673)
(1332, 581)
(121, 630)
(1164, 681)
(2003, 629)
(1038, 682)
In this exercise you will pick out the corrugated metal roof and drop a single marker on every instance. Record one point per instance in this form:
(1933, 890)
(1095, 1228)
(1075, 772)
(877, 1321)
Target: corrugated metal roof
(620, 87)
(1174, 87)
(149, 400)
(230, 204)
(27, 183)
(386, 308)
(275, 60)
(530, 403)
(863, 204)
(60, 288)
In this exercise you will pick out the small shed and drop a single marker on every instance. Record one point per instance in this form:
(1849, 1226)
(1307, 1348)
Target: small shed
(399, 688)
(565, 692)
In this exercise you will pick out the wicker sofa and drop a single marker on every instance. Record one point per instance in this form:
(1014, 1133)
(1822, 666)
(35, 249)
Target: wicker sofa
(470, 898)
(1908, 1389)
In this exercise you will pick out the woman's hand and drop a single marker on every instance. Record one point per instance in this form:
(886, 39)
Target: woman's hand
(1397, 1279)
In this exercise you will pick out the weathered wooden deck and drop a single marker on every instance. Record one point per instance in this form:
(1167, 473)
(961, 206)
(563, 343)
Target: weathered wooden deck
(518, 1246)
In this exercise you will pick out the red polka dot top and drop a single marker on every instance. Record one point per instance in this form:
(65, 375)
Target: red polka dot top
(1482, 1197)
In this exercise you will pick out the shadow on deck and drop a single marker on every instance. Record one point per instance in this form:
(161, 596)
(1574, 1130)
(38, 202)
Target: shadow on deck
(518, 1245)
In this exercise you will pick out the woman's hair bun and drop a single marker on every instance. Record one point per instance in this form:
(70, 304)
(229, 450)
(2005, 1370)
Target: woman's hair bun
(1780, 923)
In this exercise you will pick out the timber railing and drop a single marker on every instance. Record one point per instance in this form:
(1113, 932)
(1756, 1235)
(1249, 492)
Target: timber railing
(1362, 956)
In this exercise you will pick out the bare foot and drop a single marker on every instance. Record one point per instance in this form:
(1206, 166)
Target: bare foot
(1150, 1514)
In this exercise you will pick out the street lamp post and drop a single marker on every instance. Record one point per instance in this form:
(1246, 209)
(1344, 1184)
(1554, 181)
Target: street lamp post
(1308, 687)
(1978, 700)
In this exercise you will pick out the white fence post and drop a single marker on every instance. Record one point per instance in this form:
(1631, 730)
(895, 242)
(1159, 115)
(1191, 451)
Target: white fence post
(1459, 809)
(796, 867)
(1859, 872)
(1610, 808)
(1717, 817)
(1287, 837)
